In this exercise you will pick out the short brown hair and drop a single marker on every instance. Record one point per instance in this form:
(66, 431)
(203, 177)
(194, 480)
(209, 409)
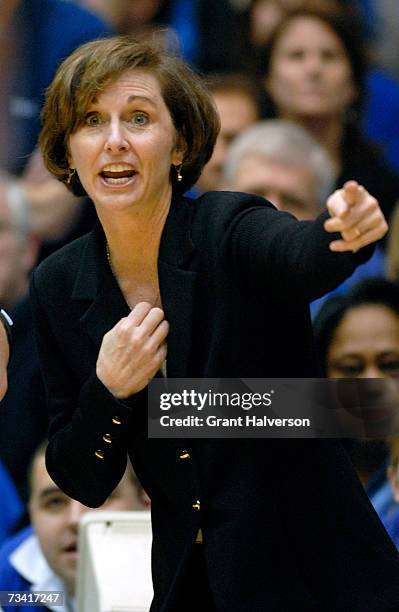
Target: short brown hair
(92, 67)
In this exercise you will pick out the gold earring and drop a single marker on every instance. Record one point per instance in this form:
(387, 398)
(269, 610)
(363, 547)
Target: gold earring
(178, 172)
(71, 173)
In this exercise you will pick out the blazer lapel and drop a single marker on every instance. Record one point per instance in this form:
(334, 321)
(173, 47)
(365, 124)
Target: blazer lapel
(106, 305)
(177, 284)
(96, 285)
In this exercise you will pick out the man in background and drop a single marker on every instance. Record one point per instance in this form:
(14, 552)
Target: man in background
(236, 99)
(283, 163)
(44, 557)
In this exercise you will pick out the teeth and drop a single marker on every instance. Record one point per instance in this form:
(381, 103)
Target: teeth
(117, 168)
(116, 181)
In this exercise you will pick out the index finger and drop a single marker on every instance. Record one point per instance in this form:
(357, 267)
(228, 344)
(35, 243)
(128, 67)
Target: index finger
(351, 191)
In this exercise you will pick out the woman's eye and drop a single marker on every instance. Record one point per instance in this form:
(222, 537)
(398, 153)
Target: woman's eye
(349, 370)
(139, 119)
(390, 367)
(93, 119)
(329, 56)
(295, 54)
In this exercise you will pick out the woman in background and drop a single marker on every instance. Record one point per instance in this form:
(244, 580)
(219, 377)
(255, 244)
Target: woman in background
(314, 74)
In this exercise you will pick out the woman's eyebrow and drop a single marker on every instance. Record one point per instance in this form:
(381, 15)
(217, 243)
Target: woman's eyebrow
(136, 98)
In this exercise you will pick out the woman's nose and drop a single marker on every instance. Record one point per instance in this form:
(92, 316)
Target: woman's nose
(116, 141)
(313, 63)
(371, 370)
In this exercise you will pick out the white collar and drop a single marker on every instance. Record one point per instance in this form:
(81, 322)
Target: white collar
(29, 561)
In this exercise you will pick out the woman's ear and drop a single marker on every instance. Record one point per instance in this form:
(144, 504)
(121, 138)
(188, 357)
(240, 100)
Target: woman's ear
(70, 162)
(71, 165)
(179, 152)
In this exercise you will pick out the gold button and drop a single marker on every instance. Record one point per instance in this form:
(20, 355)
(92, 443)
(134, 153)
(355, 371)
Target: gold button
(184, 455)
(197, 505)
(107, 438)
(116, 420)
(99, 454)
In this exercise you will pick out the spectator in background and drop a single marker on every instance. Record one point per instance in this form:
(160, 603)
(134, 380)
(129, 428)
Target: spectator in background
(357, 336)
(23, 406)
(44, 557)
(35, 36)
(283, 163)
(22, 409)
(23, 414)
(237, 101)
(378, 119)
(314, 73)
(18, 255)
(153, 18)
(265, 15)
(210, 35)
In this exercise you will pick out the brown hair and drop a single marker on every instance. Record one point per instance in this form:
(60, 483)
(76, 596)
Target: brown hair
(92, 67)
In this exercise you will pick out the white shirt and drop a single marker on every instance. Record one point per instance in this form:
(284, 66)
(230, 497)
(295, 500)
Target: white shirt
(29, 562)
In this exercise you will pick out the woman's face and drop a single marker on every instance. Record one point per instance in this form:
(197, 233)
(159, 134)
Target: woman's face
(125, 147)
(310, 74)
(365, 346)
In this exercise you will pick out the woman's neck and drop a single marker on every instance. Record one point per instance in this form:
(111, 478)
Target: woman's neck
(329, 132)
(133, 239)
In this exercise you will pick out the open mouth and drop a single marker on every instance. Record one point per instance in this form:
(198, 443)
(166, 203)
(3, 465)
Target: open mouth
(117, 174)
(71, 549)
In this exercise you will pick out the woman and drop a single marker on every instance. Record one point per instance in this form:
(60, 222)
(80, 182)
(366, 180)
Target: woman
(349, 326)
(212, 285)
(314, 74)
(357, 337)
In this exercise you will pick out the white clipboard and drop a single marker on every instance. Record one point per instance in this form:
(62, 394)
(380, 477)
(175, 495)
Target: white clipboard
(114, 569)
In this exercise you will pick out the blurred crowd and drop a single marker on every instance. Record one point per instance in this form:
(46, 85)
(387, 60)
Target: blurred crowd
(308, 97)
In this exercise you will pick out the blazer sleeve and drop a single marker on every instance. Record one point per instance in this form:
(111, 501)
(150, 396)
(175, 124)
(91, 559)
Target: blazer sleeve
(80, 417)
(273, 250)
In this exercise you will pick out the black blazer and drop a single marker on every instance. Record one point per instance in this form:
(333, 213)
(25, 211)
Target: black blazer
(286, 523)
